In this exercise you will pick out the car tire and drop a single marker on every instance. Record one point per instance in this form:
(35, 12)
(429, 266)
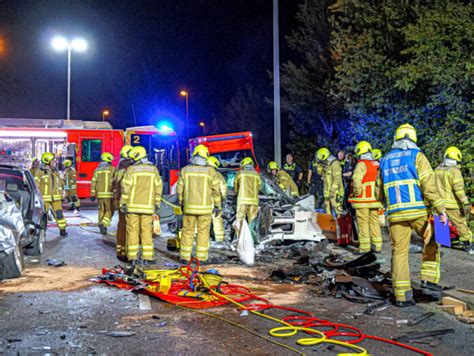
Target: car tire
(172, 227)
(37, 246)
(13, 264)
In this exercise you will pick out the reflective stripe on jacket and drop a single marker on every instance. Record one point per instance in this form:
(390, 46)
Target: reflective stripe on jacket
(247, 186)
(450, 185)
(70, 179)
(101, 184)
(141, 189)
(50, 184)
(286, 184)
(364, 181)
(332, 177)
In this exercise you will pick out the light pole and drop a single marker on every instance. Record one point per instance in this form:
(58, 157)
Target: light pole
(276, 84)
(203, 125)
(104, 114)
(186, 95)
(61, 44)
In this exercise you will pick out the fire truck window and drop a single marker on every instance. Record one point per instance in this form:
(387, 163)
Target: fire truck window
(91, 150)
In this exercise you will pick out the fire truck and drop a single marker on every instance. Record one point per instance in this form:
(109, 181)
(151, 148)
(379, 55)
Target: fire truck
(81, 141)
(230, 148)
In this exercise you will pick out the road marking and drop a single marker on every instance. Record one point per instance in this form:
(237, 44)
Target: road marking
(144, 302)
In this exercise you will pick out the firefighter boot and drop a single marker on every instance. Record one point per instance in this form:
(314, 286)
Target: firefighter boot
(103, 229)
(63, 232)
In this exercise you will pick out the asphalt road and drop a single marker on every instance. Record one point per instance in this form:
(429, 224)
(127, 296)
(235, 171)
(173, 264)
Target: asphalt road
(58, 310)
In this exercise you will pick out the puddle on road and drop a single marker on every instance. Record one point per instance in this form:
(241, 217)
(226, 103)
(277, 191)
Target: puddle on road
(42, 279)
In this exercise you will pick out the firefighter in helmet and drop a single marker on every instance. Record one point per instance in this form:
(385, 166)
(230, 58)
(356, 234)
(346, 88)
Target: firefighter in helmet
(364, 199)
(101, 188)
(200, 197)
(332, 181)
(409, 187)
(50, 185)
(218, 221)
(142, 189)
(124, 163)
(70, 185)
(283, 179)
(450, 184)
(247, 185)
(35, 165)
(376, 154)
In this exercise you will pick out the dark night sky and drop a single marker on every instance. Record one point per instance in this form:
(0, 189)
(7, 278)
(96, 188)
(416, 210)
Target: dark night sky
(140, 52)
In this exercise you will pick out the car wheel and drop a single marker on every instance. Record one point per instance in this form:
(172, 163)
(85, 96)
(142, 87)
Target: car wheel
(37, 247)
(13, 264)
(172, 227)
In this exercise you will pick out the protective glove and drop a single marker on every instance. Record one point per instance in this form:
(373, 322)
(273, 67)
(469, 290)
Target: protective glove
(157, 210)
(123, 208)
(92, 198)
(467, 211)
(216, 212)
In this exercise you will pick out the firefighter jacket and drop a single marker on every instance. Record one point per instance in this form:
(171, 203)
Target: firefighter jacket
(101, 184)
(450, 185)
(199, 188)
(50, 184)
(364, 181)
(222, 185)
(142, 188)
(285, 183)
(409, 184)
(332, 178)
(70, 179)
(34, 171)
(247, 186)
(119, 173)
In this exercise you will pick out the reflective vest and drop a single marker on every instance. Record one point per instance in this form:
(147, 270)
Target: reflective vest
(400, 181)
(293, 170)
(198, 190)
(247, 186)
(368, 182)
(101, 184)
(141, 189)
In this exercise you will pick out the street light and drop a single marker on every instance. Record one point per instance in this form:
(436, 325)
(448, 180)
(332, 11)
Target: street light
(61, 44)
(203, 125)
(186, 95)
(104, 114)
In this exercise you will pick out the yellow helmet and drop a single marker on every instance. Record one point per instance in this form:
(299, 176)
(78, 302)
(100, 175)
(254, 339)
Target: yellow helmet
(106, 157)
(67, 163)
(137, 153)
(405, 131)
(376, 153)
(201, 151)
(125, 150)
(272, 166)
(214, 162)
(34, 159)
(454, 153)
(246, 161)
(362, 147)
(47, 157)
(323, 154)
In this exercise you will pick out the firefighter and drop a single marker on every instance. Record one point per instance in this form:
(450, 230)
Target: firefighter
(35, 164)
(246, 187)
(199, 195)
(124, 163)
(376, 154)
(101, 188)
(50, 185)
(142, 189)
(364, 199)
(218, 221)
(293, 169)
(315, 182)
(450, 185)
(409, 187)
(70, 186)
(283, 179)
(332, 181)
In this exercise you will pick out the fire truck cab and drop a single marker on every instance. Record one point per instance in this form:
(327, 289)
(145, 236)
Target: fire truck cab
(230, 148)
(81, 141)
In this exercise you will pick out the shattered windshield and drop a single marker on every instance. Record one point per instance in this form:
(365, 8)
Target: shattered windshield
(231, 159)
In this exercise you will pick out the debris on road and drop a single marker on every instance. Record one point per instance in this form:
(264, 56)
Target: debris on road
(415, 336)
(56, 262)
(121, 333)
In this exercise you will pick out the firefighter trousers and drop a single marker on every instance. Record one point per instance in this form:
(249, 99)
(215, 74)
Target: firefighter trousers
(249, 212)
(58, 214)
(203, 224)
(218, 227)
(400, 235)
(459, 221)
(72, 199)
(333, 204)
(106, 211)
(121, 244)
(369, 229)
(139, 235)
